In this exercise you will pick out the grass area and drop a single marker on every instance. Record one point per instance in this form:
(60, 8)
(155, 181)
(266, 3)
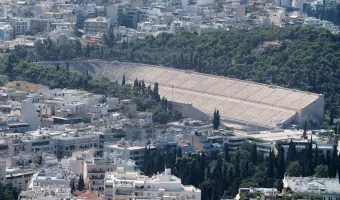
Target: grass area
(25, 86)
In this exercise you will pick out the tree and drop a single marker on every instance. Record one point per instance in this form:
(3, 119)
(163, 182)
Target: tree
(282, 164)
(155, 94)
(123, 80)
(305, 130)
(291, 154)
(6, 194)
(226, 152)
(294, 169)
(216, 119)
(321, 171)
(333, 162)
(271, 165)
(254, 153)
(81, 183)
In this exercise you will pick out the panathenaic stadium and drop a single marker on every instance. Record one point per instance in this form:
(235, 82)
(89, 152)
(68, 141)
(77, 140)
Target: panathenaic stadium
(239, 102)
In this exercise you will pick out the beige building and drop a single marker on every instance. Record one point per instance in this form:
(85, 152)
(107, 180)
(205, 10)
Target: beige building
(96, 25)
(96, 172)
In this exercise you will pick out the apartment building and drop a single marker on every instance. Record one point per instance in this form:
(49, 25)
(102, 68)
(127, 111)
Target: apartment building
(96, 25)
(125, 184)
(68, 142)
(21, 26)
(129, 150)
(96, 172)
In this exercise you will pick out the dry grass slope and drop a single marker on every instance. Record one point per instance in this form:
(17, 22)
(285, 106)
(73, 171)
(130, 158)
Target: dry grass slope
(25, 86)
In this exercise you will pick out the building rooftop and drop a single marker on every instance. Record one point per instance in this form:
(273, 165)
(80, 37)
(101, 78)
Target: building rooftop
(312, 185)
(98, 19)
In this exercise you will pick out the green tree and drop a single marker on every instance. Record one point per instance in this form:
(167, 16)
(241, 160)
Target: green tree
(321, 171)
(81, 183)
(216, 119)
(156, 95)
(294, 169)
(123, 80)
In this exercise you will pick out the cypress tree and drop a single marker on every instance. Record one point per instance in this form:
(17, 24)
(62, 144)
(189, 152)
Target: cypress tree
(81, 183)
(193, 173)
(123, 80)
(218, 120)
(291, 154)
(135, 83)
(328, 162)
(215, 120)
(226, 152)
(316, 157)
(224, 180)
(305, 130)
(271, 165)
(179, 153)
(237, 165)
(282, 164)
(254, 154)
(333, 161)
(202, 166)
(155, 94)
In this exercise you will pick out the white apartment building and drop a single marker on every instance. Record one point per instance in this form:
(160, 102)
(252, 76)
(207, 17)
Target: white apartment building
(51, 183)
(28, 112)
(68, 142)
(327, 188)
(125, 184)
(96, 25)
(128, 150)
